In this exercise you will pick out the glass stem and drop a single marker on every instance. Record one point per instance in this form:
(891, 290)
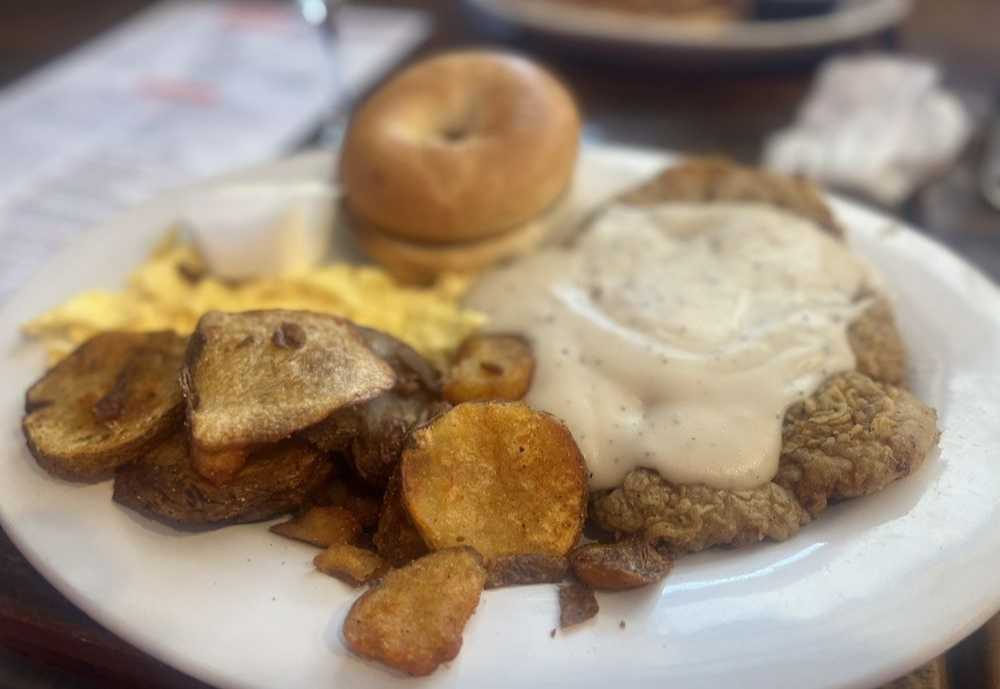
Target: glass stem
(327, 17)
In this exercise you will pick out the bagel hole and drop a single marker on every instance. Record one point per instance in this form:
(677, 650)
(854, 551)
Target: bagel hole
(460, 125)
(455, 132)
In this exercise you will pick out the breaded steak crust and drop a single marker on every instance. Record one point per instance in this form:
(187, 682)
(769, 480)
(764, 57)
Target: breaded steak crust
(855, 435)
(704, 180)
(851, 438)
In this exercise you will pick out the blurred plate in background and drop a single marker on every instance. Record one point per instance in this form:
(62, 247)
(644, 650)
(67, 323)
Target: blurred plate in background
(631, 32)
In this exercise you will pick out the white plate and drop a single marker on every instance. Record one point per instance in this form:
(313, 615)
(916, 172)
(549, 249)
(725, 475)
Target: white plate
(854, 19)
(870, 590)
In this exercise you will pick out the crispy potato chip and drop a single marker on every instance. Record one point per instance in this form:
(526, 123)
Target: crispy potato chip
(396, 539)
(371, 434)
(413, 372)
(365, 509)
(577, 604)
(350, 564)
(321, 526)
(354, 497)
(110, 401)
(490, 367)
(219, 467)
(413, 619)
(334, 494)
(618, 566)
(384, 426)
(259, 376)
(529, 568)
(277, 479)
(498, 476)
(334, 433)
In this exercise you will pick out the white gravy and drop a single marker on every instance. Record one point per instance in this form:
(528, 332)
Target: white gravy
(674, 337)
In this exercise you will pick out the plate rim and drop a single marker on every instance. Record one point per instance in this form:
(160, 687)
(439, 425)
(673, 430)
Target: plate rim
(864, 19)
(933, 645)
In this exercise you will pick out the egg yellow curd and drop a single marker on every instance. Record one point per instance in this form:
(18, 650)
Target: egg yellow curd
(172, 288)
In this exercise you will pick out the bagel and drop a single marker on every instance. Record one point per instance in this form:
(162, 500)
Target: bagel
(461, 147)
(419, 263)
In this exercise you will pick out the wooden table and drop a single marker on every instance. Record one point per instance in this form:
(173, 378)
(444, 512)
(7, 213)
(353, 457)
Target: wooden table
(46, 642)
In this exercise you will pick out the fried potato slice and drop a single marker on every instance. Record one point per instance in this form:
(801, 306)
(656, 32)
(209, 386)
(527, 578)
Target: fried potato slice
(219, 467)
(334, 493)
(490, 367)
(364, 508)
(321, 526)
(113, 398)
(372, 433)
(277, 479)
(498, 476)
(577, 604)
(413, 372)
(354, 497)
(413, 620)
(259, 376)
(335, 433)
(350, 564)
(396, 539)
(385, 425)
(618, 566)
(526, 569)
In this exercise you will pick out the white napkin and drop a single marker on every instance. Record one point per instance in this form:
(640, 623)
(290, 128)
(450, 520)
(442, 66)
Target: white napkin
(876, 124)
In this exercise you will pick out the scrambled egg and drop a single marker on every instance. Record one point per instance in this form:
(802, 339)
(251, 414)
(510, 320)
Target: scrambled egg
(171, 290)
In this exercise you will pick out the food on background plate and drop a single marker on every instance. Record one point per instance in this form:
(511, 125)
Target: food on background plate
(652, 375)
(413, 619)
(259, 376)
(172, 289)
(104, 405)
(451, 164)
(699, 12)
